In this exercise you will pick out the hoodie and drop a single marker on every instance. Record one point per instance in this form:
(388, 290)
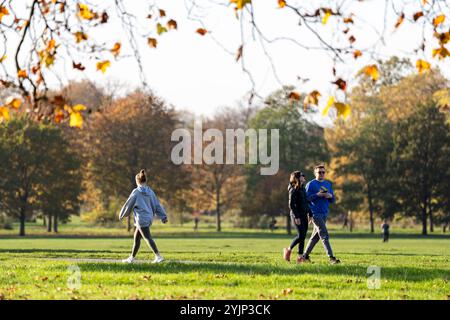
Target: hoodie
(298, 204)
(145, 205)
(318, 205)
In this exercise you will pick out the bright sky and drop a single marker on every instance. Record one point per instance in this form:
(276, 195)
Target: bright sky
(195, 73)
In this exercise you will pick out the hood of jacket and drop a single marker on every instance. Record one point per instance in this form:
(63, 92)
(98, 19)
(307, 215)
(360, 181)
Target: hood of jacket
(145, 190)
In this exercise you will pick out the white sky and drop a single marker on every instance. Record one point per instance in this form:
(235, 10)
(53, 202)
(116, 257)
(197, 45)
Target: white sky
(193, 72)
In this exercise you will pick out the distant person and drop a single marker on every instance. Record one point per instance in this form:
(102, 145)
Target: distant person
(385, 230)
(196, 221)
(273, 224)
(319, 194)
(299, 211)
(144, 204)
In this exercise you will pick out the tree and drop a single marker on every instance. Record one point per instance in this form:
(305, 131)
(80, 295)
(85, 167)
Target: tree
(37, 167)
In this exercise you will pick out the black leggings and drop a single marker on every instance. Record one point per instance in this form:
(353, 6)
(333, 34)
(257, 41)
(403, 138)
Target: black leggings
(138, 234)
(301, 233)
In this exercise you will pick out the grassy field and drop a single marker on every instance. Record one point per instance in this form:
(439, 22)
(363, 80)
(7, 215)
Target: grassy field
(232, 265)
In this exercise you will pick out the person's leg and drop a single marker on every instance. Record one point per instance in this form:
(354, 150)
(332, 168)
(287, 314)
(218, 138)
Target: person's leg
(323, 234)
(312, 241)
(296, 240)
(137, 242)
(302, 234)
(145, 231)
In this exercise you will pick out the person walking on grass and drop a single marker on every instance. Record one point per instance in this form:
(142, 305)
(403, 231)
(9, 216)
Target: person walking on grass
(145, 205)
(299, 211)
(385, 230)
(319, 194)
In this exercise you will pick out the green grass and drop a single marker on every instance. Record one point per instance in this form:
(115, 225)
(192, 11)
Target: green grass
(234, 265)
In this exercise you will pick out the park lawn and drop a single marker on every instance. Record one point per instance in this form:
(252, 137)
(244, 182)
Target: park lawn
(223, 267)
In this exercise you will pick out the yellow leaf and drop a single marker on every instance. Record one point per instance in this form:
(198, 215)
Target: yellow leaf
(14, 102)
(3, 12)
(438, 20)
(76, 120)
(51, 45)
(400, 20)
(442, 52)
(422, 65)
(84, 12)
(328, 106)
(22, 74)
(79, 107)
(312, 98)
(152, 42)
(372, 71)
(326, 16)
(3, 58)
(103, 65)
(160, 29)
(49, 60)
(116, 49)
(4, 114)
(281, 3)
(80, 36)
(343, 109)
(240, 3)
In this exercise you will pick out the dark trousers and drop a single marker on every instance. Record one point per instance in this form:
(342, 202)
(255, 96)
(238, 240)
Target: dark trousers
(143, 232)
(320, 232)
(385, 236)
(302, 228)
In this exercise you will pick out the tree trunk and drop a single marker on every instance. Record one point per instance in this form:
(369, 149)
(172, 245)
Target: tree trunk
(219, 228)
(44, 221)
(288, 224)
(22, 222)
(55, 223)
(424, 220)
(49, 225)
(369, 198)
(431, 222)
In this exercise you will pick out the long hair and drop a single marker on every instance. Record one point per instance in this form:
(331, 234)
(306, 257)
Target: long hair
(295, 179)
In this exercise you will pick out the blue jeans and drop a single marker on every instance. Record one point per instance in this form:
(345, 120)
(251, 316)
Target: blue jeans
(320, 232)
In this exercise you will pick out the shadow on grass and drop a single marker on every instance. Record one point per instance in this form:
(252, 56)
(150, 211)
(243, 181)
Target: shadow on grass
(221, 269)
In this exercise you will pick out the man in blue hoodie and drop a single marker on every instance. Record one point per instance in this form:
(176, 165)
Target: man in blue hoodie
(320, 194)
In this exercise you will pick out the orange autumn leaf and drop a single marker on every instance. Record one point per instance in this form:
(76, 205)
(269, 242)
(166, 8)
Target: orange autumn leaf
(400, 20)
(116, 49)
(417, 15)
(441, 52)
(13, 102)
(22, 74)
(84, 12)
(152, 42)
(357, 54)
(59, 116)
(281, 3)
(372, 71)
(294, 96)
(438, 20)
(341, 84)
(162, 13)
(103, 65)
(3, 12)
(312, 98)
(4, 114)
(80, 36)
(422, 65)
(202, 31)
(172, 24)
(240, 3)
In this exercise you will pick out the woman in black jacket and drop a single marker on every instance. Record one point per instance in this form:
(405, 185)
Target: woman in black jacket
(299, 211)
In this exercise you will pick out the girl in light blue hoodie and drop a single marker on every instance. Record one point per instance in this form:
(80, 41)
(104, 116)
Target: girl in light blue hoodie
(145, 205)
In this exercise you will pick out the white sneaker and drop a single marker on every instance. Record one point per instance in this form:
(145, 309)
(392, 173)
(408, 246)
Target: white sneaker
(130, 259)
(158, 259)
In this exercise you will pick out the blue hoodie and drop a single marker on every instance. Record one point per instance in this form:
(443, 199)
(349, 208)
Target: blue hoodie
(318, 205)
(144, 204)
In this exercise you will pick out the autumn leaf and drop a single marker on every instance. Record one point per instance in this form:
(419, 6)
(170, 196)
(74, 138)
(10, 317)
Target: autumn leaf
(79, 107)
(3, 58)
(357, 54)
(372, 71)
(400, 20)
(294, 96)
(78, 66)
(417, 15)
(341, 84)
(172, 24)
(4, 114)
(116, 49)
(80, 36)
(84, 12)
(442, 52)
(239, 53)
(202, 31)
(13, 102)
(328, 106)
(438, 20)
(311, 98)
(352, 39)
(3, 12)
(326, 16)
(160, 29)
(287, 291)
(59, 116)
(22, 74)
(51, 45)
(348, 20)
(103, 65)
(422, 65)
(442, 37)
(240, 3)
(152, 42)
(105, 17)
(76, 120)
(162, 13)
(343, 109)
(281, 3)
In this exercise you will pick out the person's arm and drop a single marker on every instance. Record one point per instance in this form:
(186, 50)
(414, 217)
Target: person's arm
(159, 209)
(311, 195)
(292, 206)
(128, 206)
(332, 199)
